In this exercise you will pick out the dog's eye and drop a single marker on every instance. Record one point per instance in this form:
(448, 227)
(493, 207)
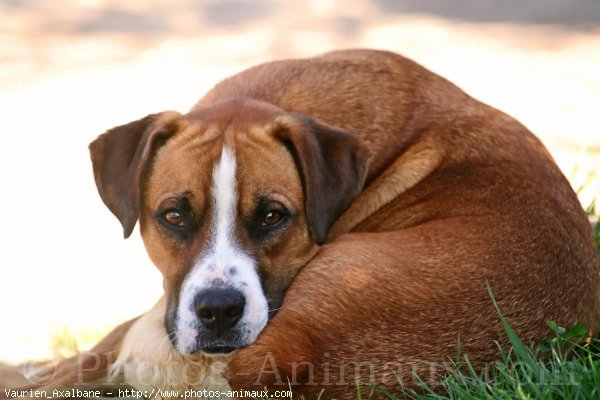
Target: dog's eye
(272, 218)
(174, 218)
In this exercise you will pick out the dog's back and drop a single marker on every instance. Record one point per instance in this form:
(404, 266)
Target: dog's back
(489, 164)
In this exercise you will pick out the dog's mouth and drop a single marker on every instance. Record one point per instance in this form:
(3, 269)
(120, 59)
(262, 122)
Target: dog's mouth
(218, 349)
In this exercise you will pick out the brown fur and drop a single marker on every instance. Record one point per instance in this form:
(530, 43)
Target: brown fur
(457, 196)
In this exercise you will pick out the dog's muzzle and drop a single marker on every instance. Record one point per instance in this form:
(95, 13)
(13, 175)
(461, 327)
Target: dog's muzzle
(217, 312)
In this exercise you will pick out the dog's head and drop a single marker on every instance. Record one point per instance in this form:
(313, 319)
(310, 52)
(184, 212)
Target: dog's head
(232, 200)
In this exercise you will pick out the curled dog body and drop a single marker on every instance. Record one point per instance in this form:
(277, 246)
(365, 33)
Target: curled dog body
(339, 219)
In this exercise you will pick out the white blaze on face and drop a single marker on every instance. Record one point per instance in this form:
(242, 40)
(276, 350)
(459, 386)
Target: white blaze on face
(222, 264)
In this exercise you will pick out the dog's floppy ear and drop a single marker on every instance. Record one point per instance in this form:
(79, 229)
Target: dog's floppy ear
(120, 158)
(333, 166)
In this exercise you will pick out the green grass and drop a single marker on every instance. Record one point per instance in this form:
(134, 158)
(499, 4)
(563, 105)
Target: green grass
(561, 367)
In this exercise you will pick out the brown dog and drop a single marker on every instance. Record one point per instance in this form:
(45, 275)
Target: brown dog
(379, 195)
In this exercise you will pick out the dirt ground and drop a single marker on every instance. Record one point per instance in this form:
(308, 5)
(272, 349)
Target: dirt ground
(71, 69)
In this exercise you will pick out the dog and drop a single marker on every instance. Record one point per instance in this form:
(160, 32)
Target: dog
(337, 220)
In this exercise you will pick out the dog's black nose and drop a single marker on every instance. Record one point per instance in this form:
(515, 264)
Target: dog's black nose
(219, 309)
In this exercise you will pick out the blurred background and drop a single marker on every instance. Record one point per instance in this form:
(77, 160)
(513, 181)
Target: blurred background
(70, 69)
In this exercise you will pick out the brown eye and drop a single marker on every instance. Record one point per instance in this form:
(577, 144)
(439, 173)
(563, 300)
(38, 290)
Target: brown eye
(173, 217)
(272, 217)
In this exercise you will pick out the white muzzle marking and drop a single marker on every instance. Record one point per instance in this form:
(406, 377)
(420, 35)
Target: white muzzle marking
(222, 264)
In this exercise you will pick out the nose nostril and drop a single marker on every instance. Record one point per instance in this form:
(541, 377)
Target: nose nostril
(205, 314)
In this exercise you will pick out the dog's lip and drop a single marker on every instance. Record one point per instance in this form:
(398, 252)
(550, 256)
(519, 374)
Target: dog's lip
(218, 349)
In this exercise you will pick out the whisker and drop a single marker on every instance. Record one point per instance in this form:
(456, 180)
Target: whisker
(169, 338)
